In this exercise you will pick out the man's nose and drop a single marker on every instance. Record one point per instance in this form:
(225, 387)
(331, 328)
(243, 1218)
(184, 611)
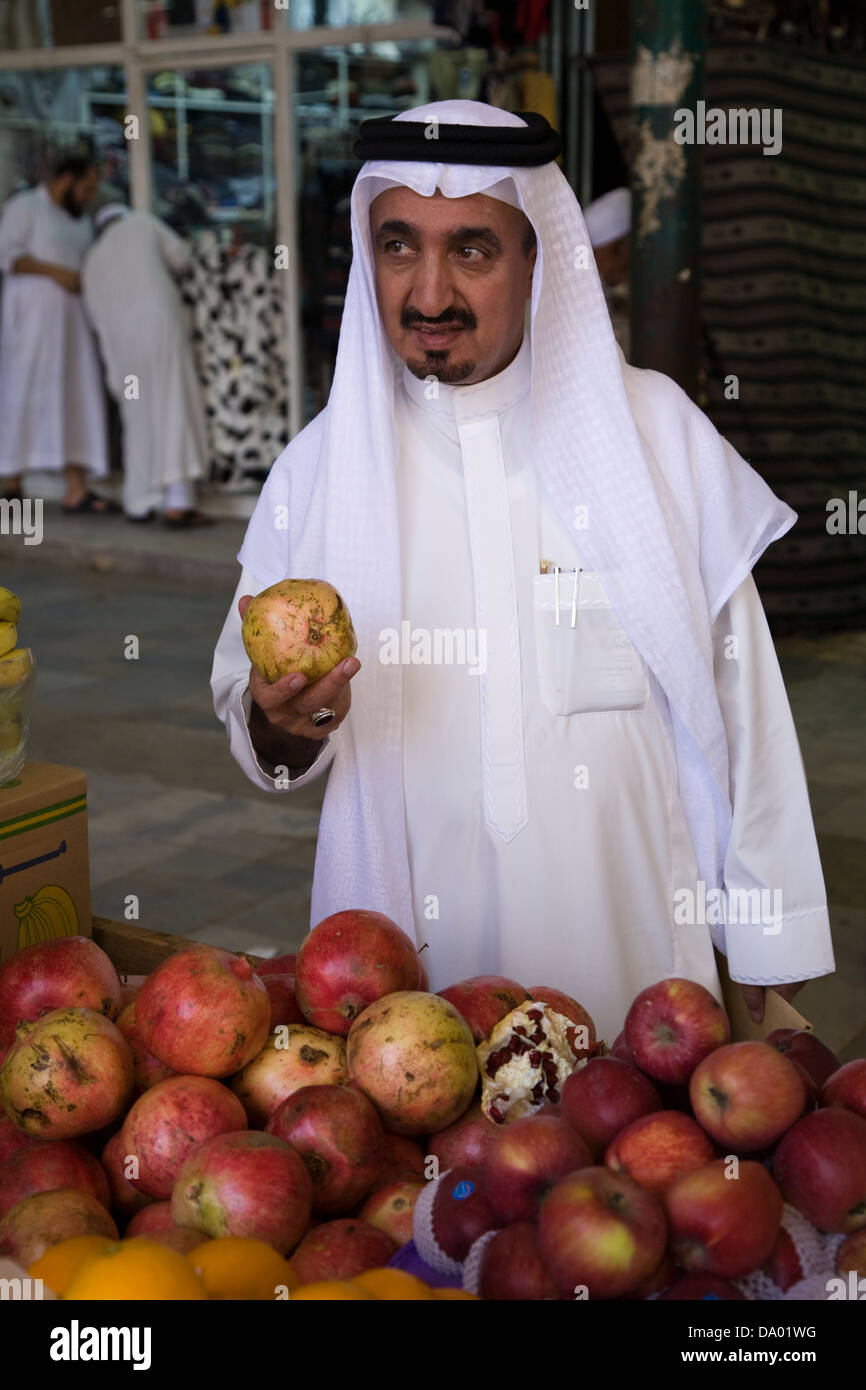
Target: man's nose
(432, 290)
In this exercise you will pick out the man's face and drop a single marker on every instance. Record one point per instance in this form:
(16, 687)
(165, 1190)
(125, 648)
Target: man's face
(77, 194)
(452, 280)
(613, 261)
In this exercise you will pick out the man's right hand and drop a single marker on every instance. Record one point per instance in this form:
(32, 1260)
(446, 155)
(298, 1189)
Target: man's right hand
(67, 279)
(281, 722)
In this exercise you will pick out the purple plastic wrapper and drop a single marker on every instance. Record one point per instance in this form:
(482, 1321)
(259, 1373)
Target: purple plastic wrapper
(407, 1258)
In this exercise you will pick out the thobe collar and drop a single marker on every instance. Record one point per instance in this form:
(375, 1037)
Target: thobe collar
(488, 397)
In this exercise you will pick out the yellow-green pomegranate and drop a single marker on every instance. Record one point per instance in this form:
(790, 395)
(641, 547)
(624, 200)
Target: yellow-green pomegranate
(299, 626)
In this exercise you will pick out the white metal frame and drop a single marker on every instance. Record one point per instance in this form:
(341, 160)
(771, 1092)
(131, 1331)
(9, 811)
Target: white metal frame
(276, 47)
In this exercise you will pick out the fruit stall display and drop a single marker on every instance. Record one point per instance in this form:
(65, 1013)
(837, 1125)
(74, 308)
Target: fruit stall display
(183, 1123)
(16, 688)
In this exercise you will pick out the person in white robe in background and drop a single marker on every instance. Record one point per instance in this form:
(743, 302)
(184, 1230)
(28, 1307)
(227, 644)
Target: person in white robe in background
(132, 300)
(52, 401)
(608, 221)
(552, 800)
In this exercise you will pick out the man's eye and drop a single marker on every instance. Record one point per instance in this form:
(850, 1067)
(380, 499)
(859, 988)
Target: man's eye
(390, 245)
(473, 251)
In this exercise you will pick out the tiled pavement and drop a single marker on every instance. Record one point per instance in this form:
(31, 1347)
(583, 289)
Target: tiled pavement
(172, 818)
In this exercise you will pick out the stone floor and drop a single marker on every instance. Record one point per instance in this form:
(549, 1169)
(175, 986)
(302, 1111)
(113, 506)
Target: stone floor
(174, 821)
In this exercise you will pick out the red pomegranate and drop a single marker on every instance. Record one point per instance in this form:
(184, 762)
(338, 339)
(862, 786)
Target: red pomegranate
(247, 1184)
(275, 965)
(152, 1218)
(284, 1005)
(148, 1069)
(339, 1135)
(46, 1218)
(67, 971)
(484, 1000)
(126, 1200)
(43, 1167)
(405, 1160)
(565, 1004)
(203, 1012)
(293, 1056)
(340, 1250)
(347, 962)
(12, 1139)
(169, 1121)
(68, 1073)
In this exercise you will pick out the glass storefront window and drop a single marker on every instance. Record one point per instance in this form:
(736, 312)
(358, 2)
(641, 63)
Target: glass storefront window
(55, 23)
(336, 89)
(309, 14)
(171, 19)
(212, 146)
(46, 111)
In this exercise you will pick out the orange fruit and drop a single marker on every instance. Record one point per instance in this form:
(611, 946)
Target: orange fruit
(392, 1285)
(238, 1267)
(455, 1294)
(327, 1290)
(58, 1263)
(136, 1268)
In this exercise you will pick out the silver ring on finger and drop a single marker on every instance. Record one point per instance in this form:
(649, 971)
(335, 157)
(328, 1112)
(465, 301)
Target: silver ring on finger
(323, 716)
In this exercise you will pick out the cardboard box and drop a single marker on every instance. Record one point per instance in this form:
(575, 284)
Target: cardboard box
(44, 861)
(778, 1013)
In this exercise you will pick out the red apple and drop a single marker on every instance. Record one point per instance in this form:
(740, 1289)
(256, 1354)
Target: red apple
(851, 1254)
(511, 1266)
(565, 1004)
(246, 1184)
(703, 1286)
(392, 1209)
(658, 1148)
(44, 1167)
(665, 1274)
(783, 1266)
(621, 1050)
(468, 1140)
(340, 1250)
(484, 1000)
(671, 1026)
(847, 1087)
(203, 1012)
(746, 1094)
(65, 972)
(526, 1159)
(801, 1046)
(347, 962)
(126, 1200)
(339, 1135)
(820, 1165)
(599, 1231)
(461, 1212)
(603, 1097)
(725, 1225)
(169, 1121)
(405, 1160)
(284, 1005)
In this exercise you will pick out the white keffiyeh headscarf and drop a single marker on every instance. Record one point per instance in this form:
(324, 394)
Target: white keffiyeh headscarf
(676, 518)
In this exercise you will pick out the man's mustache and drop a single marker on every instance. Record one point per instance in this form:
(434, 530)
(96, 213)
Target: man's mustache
(412, 319)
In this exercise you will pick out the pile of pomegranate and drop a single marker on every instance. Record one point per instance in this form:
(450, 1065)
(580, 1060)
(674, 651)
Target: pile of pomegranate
(330, 1104)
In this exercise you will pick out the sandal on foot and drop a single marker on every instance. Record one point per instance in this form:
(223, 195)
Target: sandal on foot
(188, 520)
(92, 505)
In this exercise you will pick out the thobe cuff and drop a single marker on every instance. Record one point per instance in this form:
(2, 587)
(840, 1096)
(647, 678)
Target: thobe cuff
(794, 947)
(261, 772)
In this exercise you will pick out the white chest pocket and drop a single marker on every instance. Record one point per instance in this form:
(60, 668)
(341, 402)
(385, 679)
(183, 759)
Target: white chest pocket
(586, 662)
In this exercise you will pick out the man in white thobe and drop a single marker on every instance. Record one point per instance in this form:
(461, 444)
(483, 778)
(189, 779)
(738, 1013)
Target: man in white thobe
(52, 402)
(568, 756)
(132, 299)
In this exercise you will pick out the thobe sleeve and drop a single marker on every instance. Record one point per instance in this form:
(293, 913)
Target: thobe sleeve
(773, 845)
(16, 228)
(232, 702)
(176, 252)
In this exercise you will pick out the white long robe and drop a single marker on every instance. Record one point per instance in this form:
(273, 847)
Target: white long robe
(141, 322)
(554, 852)
(52, 403)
